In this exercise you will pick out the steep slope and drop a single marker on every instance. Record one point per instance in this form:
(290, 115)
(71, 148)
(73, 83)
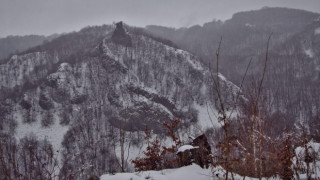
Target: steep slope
(294, 72)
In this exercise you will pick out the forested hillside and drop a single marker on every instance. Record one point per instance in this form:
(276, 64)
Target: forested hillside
(292, 74)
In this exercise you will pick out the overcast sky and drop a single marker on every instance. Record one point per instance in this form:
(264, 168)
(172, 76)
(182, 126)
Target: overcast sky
(45, 17)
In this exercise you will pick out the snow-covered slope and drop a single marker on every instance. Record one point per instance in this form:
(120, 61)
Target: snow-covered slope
(192, 172)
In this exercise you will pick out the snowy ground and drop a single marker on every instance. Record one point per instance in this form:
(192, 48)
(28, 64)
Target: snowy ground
(192, 172)
(313, 150)
(195, 172)
(54, 134)
(208, 116)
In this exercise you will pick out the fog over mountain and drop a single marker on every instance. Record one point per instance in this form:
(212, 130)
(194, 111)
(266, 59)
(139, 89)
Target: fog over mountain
(59, 16)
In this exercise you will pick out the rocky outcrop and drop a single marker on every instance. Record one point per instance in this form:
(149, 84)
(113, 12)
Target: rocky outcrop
(120, 36)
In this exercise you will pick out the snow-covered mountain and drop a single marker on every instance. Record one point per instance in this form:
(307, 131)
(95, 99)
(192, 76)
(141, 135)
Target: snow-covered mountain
(89, 87)
(87, 103)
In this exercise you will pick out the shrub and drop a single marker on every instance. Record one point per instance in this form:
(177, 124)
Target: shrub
(159, 157)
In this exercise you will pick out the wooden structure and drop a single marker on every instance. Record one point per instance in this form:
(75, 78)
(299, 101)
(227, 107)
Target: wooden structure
(198, 152)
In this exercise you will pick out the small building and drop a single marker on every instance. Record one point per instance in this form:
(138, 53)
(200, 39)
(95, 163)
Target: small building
(199, 152)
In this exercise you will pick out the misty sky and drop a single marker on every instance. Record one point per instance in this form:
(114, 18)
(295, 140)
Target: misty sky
(45, 17)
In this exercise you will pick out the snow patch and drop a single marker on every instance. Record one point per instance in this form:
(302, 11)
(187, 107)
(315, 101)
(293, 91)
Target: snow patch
(309, 52)
(191, 172)
(207, 116)
(313, 150)
(317, 31)
(195, 64)
(186, 147)
(54, 134)
(64, 67)
(249, 25)
(315, 147)
(221, 77)
(188, 172)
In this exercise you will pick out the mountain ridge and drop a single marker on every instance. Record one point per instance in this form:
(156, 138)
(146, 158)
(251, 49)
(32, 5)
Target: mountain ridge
(93, 85)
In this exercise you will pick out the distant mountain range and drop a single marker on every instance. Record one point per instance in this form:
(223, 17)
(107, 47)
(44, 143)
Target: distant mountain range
(293, 70)
(14, 44)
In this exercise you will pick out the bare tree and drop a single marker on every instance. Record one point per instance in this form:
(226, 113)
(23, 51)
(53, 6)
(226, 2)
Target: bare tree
(255, 120)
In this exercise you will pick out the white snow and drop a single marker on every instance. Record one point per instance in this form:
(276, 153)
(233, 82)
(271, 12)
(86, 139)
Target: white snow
(207, 116)
(313, 149)
(195, 64)
(230, 86)
(192, 61)
(309, 52)
(64, 67)
(315, 146)
(54, 134)
(192, 172)
(186, 147)
(249, 25)
(317, 31)
(221, 77)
